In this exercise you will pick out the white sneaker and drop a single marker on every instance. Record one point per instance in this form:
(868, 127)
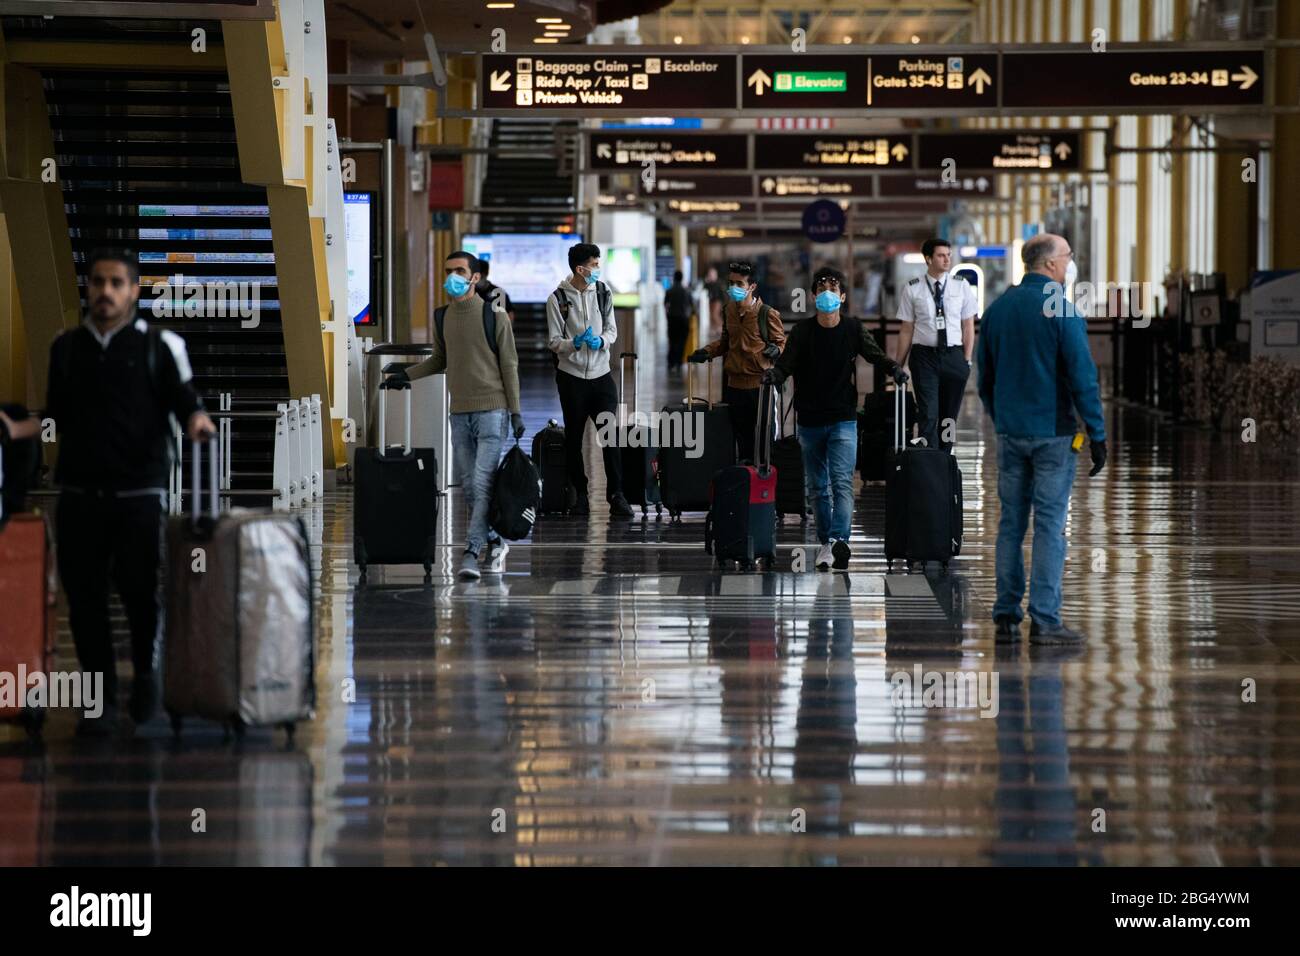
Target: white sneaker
(497, 551)
(823, 562)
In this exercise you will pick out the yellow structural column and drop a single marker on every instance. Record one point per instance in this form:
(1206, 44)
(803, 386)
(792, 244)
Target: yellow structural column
(40, 250)
(1284, 189)
(255, 58)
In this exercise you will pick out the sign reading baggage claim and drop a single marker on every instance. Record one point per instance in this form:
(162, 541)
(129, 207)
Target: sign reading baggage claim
(627, 84)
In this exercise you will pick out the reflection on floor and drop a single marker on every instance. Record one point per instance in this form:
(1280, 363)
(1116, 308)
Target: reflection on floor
(612, 700)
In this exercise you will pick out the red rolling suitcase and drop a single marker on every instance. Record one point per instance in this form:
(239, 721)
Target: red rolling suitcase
(741, 525)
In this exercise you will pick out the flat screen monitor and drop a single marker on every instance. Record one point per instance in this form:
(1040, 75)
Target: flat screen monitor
(528, 266)
(359, 226)
(621, 268)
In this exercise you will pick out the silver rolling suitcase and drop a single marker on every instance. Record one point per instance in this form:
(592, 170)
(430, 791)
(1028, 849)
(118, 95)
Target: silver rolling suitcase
(239, 644)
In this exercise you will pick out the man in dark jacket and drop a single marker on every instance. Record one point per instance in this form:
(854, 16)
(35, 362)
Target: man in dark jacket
(677, 307)
(1035, 370)
(114, 384)
(821, 354)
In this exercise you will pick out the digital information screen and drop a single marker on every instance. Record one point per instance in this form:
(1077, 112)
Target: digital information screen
(527, 265)
(358, 223)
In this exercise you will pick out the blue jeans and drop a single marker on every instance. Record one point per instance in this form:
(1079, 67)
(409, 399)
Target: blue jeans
(1033, 473)
(829, 455)
(477, 438)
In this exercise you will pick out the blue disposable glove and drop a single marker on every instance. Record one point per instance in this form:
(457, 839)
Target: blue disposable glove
(595, 342)
(579, 341)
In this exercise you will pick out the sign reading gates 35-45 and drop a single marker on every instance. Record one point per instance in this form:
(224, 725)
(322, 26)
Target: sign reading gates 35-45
(637, 84)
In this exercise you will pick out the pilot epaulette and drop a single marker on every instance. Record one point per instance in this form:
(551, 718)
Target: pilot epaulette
(914, 281)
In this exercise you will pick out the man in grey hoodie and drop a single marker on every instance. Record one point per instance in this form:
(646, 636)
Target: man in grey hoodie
(581, 333)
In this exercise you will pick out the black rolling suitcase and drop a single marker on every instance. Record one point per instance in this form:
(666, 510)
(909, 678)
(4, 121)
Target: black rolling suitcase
(558, 495)
(876, 425)
(395, 498)
(684, 481)
(637, 449)
(741, 525)
(923, 500)
(787, 459)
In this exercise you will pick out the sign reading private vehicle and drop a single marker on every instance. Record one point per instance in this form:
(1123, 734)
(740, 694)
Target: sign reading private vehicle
(1117, 79)
(1041, 150)
(632, 150)
(851, 151)
(631, 85)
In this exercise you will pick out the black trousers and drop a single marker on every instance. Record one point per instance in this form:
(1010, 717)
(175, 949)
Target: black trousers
(103, 540)
(678, 328)
(939, 378)
(742, 403)
(582, 399)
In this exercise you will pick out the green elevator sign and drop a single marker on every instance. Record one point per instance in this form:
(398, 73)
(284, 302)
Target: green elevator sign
(811, 82)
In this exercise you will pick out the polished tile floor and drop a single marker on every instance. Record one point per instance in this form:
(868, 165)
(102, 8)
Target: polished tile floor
(612, 700)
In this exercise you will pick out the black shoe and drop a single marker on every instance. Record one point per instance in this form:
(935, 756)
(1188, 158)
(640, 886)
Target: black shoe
(619, 508)
(840, 555)
(144, 697)
(580, 507)
(1057, 635)
(1008, 630)
(105, 725)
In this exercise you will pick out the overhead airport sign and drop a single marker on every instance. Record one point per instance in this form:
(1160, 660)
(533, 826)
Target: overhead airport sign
(711, 206)
(632, 85)
(815, 187)
(831, 151)
(963, 186)
(623, 151)
(1005, 150)
(937, 81)
(731, 187)
(911, 80)
(1119, 80)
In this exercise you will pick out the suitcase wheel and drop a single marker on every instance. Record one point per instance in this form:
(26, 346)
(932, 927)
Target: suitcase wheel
(428, 578)
(362, 578)
(945, 567)
(659, 510)
(177, 722)
(289, 728)
(889, 565)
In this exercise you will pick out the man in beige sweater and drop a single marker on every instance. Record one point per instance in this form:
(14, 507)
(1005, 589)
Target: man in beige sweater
(476, 348)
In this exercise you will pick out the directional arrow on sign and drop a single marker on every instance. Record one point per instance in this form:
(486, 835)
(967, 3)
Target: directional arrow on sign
(602, 151)
(1063, 151)
(769, 184)
(1246, 77)
(899, 151)
(979, 79)
(757, 79)
(982, 183)
(500, 81)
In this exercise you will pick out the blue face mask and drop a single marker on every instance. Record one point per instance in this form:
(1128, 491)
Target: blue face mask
(456, 285)
(595, 275)
(828, 301)
(737, 293)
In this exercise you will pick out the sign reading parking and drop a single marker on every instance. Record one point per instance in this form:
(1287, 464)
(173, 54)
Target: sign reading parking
(853, 81)
(631, 85)
(621, 151)
(1027, 150)
(1172, 78)
(850, 151)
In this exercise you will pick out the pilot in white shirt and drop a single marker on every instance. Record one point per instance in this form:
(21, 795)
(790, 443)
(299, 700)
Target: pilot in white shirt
(937, 340)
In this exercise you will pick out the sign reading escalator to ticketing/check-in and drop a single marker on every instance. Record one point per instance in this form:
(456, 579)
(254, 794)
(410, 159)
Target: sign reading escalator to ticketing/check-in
(1151, 79)
(623, 151)
(804, 187)
(637, 84)
(853, 81)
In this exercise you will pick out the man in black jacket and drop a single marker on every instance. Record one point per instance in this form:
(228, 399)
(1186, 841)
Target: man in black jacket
(821, 354)
(114, 383)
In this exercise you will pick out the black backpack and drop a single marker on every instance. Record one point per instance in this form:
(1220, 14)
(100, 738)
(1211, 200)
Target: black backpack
(489, 326)
(603, 301)
(516, 495)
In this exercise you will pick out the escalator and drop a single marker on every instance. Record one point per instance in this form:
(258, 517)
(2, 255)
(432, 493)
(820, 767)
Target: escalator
(148, 161)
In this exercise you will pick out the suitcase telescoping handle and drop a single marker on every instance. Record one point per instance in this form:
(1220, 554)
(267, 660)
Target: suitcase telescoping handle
(622, 379)
(768, 399)
(390, 384)
(690, 384)
(900, 416)
(196, 485)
